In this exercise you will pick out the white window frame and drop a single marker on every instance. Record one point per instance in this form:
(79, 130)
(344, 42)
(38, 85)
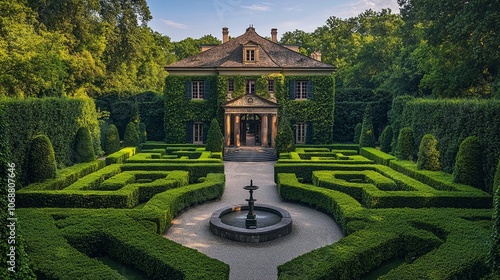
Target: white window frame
(270, 85)
(249, 86)
(197, 89)
(197, 133)
(300, 133)
(301, 90)
(230, 85)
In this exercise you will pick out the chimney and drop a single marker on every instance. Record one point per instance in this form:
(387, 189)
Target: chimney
(316, 55)
(274, 35)
(225, 34)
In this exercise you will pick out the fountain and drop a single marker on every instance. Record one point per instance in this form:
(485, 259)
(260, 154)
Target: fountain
(260, 224)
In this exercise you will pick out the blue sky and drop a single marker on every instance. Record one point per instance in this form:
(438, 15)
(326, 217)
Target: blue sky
(180, 19)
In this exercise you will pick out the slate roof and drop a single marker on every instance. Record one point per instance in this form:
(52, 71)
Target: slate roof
(230, 55)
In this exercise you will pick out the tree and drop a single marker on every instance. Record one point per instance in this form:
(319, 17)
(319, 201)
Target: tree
(428, 155)
(367, 139)
(41, 159)
(112, 140)
(285, 142)
(386, 139)
(405, 144)
(84, 150)
(357, 133)
(469, 164)
(215, 139)
(143, 135)
(131, 138)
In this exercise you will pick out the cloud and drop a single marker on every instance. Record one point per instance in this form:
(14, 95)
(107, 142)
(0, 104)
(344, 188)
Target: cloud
(355, 8)
(258, 8)
(174, 24)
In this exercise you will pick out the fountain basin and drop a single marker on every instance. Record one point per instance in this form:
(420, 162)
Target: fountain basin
(272, 222)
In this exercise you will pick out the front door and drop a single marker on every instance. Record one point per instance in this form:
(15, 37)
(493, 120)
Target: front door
(250, 130)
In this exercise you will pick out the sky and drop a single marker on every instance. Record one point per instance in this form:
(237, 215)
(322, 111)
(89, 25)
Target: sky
(180, 19)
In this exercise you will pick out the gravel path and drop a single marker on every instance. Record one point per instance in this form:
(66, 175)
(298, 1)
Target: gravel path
(311, 229)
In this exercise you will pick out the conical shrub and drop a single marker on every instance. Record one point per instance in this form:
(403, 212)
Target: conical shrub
(367, 139)
(385, 139)
(405, 144)
(143, 135)
(84, 150)
(41, 159)
(357, 133)
(131, 137)
(428, 155)
(215, 139)
(469, 163)
(112, 140)
(285, 142)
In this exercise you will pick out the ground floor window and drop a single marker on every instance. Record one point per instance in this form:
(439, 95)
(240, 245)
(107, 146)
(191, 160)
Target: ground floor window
(300, 133)
(198, 133)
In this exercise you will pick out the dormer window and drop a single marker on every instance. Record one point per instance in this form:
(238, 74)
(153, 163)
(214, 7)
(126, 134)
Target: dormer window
(250, 52)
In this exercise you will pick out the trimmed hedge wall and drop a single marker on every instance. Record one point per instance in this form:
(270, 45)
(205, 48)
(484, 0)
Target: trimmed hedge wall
(58, 118)
(120, 156)
(451, 121)
(72, 238)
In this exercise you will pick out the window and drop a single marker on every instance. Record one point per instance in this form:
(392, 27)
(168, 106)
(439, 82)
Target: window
(250, 55)
(270, 85)
(250, 87)
(198, 133)
(230, 85)
(300, 133)
(301, 90)
(197, 89)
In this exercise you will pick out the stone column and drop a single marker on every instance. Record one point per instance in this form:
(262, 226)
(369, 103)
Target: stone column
(236, 130)
(264, 130)
(274, 130)
(227, 132)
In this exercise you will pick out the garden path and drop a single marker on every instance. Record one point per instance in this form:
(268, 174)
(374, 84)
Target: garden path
(311, 229)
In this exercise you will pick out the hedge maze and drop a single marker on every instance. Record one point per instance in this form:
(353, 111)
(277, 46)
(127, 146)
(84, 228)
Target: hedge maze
(400, 222)
(118, 208)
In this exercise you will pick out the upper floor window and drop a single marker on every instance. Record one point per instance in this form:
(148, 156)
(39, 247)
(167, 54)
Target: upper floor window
(301, 90)
(197, 89)
(250, 87)
(250, 55)
(250, 52)
(270, 85)
(230, 85)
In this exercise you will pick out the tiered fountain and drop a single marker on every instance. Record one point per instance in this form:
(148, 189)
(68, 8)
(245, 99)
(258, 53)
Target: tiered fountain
(251, 223)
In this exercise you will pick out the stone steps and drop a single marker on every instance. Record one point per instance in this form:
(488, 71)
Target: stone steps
(250, 155)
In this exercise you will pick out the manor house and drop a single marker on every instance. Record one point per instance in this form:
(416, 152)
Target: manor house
(248, 83)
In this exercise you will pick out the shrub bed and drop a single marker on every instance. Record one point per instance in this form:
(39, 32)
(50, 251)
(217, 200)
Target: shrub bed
(196, 170)
(120, 156)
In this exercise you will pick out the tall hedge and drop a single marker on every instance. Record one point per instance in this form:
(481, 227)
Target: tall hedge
(131, 137)
(84, 150)
(58, 118)
(404, 145)
(451, 121)
(428, 155)
(494, 254)
(468, 165)
(367, 139)
(111, 140)
(41, 160)
(395, 116)
(215, 139)
(350, 104)
(385, 139)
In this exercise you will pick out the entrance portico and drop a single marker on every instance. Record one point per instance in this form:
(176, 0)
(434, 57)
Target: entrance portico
(250, 120)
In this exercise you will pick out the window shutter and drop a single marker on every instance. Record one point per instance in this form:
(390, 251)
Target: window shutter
(206, 90)
(189, 132)
(309, 133)
(189, 90)
(294, 129)
(292, 90)
(310, 90)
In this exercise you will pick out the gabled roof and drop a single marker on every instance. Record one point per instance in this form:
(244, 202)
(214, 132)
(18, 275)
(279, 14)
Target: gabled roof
(230, 54)
(250, 100)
